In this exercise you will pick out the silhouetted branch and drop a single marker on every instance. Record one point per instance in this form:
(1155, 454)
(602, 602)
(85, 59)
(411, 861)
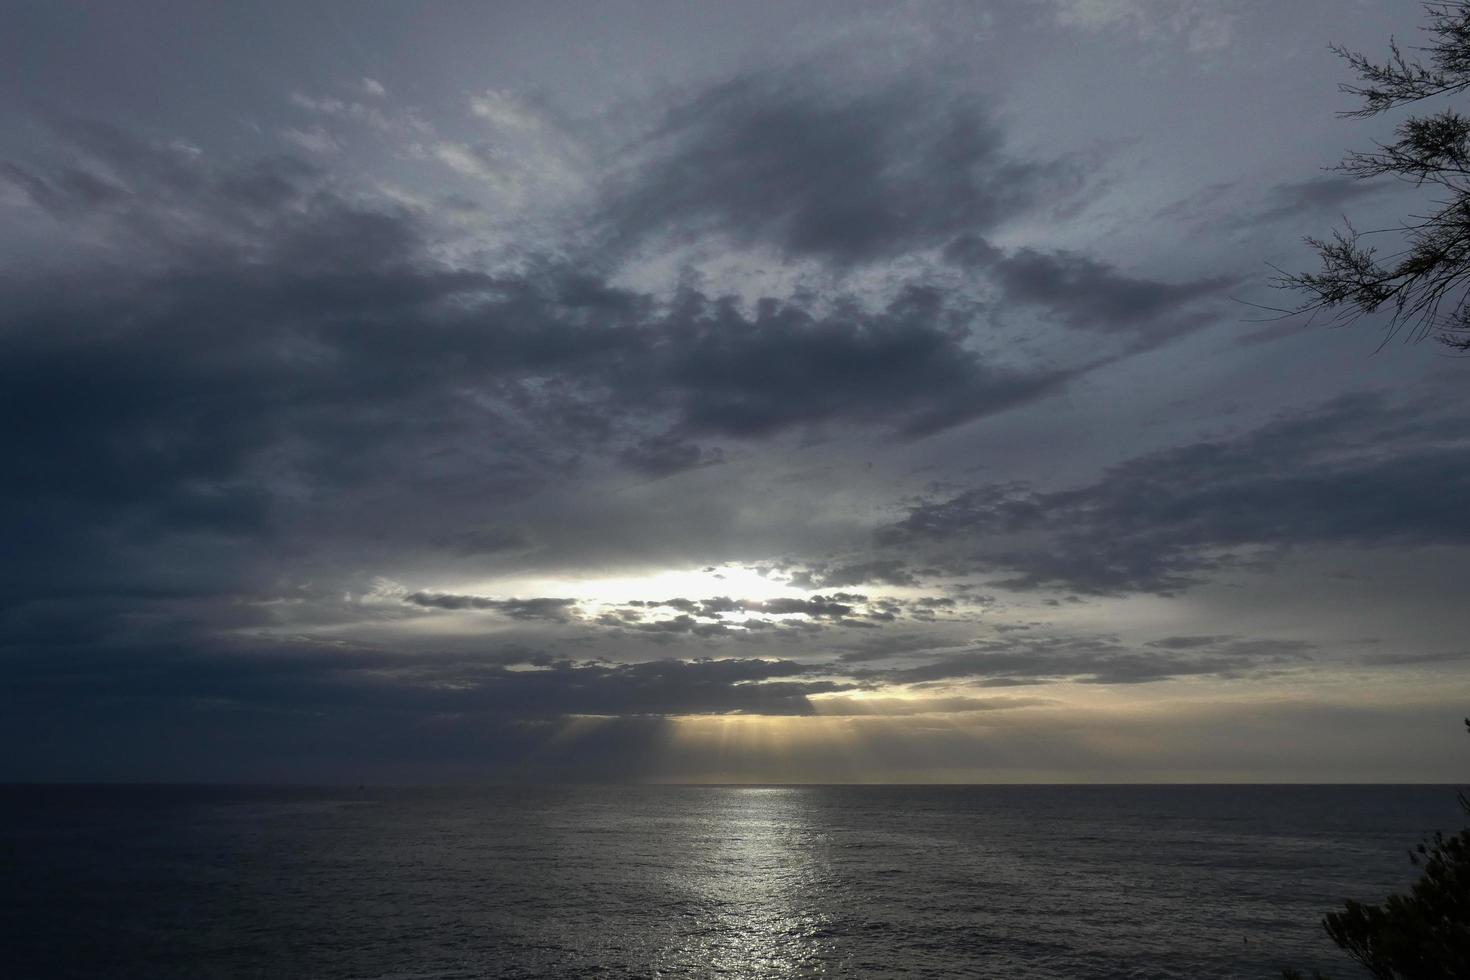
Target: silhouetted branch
(1424, 287)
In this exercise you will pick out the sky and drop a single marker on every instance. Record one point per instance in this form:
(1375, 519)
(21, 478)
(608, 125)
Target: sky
(706, 392)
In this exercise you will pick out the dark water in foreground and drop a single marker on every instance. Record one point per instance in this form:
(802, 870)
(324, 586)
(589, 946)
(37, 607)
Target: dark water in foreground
(1007, 882)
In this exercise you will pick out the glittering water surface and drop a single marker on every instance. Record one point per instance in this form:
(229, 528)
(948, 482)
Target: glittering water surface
(1012, 882)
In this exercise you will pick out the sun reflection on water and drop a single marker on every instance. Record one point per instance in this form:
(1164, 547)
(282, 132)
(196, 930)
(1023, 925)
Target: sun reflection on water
(756, 903)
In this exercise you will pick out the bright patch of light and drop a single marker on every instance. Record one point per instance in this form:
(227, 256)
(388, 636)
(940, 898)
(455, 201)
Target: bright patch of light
(735, 582)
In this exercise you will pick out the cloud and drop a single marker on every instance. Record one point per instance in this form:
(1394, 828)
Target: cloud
(1187, 642)
(882, 571)
(684, 326)
(259, 350)
(531, 155)
(1315, 194)
(708, 617)
(1086, 293)
(848, 706)
(1243, 207)
(816, 607)
(1202, 24)
(906, 366)
(1358, 471)
(375, 115)
(711, 616)
(833, 172)
(505, 109)
(666, 454)
(291, 676)
(314, 139)
(1021, 661)
(555, 610)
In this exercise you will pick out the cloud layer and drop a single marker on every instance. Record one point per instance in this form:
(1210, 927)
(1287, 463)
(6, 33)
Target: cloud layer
(847, 379)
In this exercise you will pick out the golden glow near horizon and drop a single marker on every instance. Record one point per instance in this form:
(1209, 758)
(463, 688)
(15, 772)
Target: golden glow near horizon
(1186, 742)
(877, 726)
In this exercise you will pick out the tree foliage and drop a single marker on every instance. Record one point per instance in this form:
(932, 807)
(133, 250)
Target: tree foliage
(1423, 935)
(1424, 283)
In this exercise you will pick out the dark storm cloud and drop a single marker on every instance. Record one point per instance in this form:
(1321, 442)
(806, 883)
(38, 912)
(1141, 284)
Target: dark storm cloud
(1087, 293)
(826, 170)
(297, 676)
(1358, 471)
(904, 367)
(665, 455)
(264, 349)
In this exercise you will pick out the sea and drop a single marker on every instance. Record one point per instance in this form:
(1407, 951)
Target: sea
(1014, 882)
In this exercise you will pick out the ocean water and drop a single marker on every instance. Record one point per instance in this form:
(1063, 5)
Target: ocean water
(1005, 882)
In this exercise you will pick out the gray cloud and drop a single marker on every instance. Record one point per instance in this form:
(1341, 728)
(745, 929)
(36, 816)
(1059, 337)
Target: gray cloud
(903, 707)
(1156, 523)
(706, 617)
(665, 455)
(882, 571)
(282, 343)
(1085, 292)
(1315, 194)
(277, 336)
(832, 172)
(555, 610)
(493, 684)
(1019, 661)
(906, 367)
(1187, 642)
